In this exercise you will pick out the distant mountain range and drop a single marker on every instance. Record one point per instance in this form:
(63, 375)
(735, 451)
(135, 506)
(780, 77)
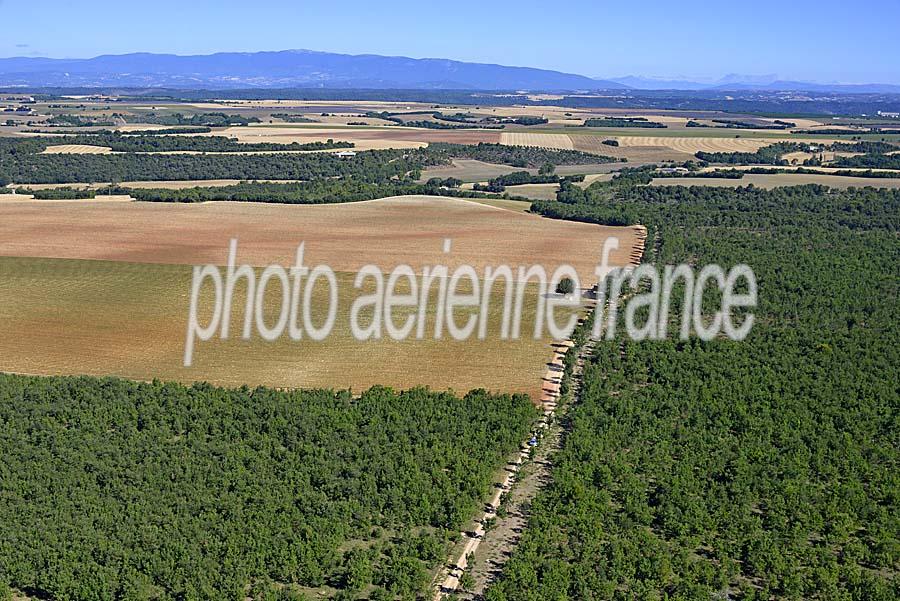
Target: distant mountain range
(284, 69)
(762, 83)
(310, 69)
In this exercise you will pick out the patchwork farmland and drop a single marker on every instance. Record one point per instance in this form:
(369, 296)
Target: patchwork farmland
(342, 469)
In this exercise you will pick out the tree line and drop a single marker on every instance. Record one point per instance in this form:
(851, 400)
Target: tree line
(142, 142)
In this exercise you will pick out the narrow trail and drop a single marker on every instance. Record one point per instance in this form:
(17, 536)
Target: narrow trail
(495, 537)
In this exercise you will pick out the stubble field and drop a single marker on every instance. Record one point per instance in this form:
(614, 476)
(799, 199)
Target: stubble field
(109, 291)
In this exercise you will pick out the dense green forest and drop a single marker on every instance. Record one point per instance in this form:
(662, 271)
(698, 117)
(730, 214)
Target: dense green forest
(79, 121)
(199, 119)
(139, 142)
(767, 155)
(517, 156)
(623, 122)
(293, 118)
(838, 172)
(165, 131)
(526, 120)
(21, 161)
(64, 193)
(322, 191)
(121, 490)
(738, 124)
(516, 178)
(875, 154)
(870, 161)
(87, 168)
(864, 147)
(761, 469)
(837, 131)
(455, 121)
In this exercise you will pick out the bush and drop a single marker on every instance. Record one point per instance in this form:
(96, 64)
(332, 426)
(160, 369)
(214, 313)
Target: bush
(565, 286)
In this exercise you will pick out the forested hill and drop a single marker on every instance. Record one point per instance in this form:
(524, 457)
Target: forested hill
(754, 470)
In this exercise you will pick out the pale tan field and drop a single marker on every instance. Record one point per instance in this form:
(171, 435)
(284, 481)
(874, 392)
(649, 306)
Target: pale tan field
(691, 146)
(781, 179)
(534, 191)
(799, 157)
(601, 168)
(597, 177)
(468, 171)
(347, 118)
(818, 125)
(556, 141)
(110, 289)
(362, 145)
(519, 206)
(139, 127)
(361, 138)
(312, 106)
(77, 149)
(409, 229)
(670, 120)
(802, 123)
(102, 198)
(60, 317)
(633, 153)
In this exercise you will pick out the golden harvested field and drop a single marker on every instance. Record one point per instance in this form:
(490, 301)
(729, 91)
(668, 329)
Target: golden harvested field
(127, 319)
(534, 191)
(139, 127)
(602, 168)
(28, 198)
(519, 206)
(763, 180)
(108, 291)
(77, 149)
(597, 177)
(799, 157)
(391, 231)
(467, 170)
(362, 139)
(635, 154)
(693, 145)
(803, 123)
(371, 138)
(557, 141)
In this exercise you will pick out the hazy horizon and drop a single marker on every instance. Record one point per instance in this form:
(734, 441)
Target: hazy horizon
(687, 41)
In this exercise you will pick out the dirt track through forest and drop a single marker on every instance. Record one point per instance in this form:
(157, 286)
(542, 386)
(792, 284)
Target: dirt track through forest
(523, 477)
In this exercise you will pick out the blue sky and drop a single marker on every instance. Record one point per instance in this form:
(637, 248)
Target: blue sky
(826, 40)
